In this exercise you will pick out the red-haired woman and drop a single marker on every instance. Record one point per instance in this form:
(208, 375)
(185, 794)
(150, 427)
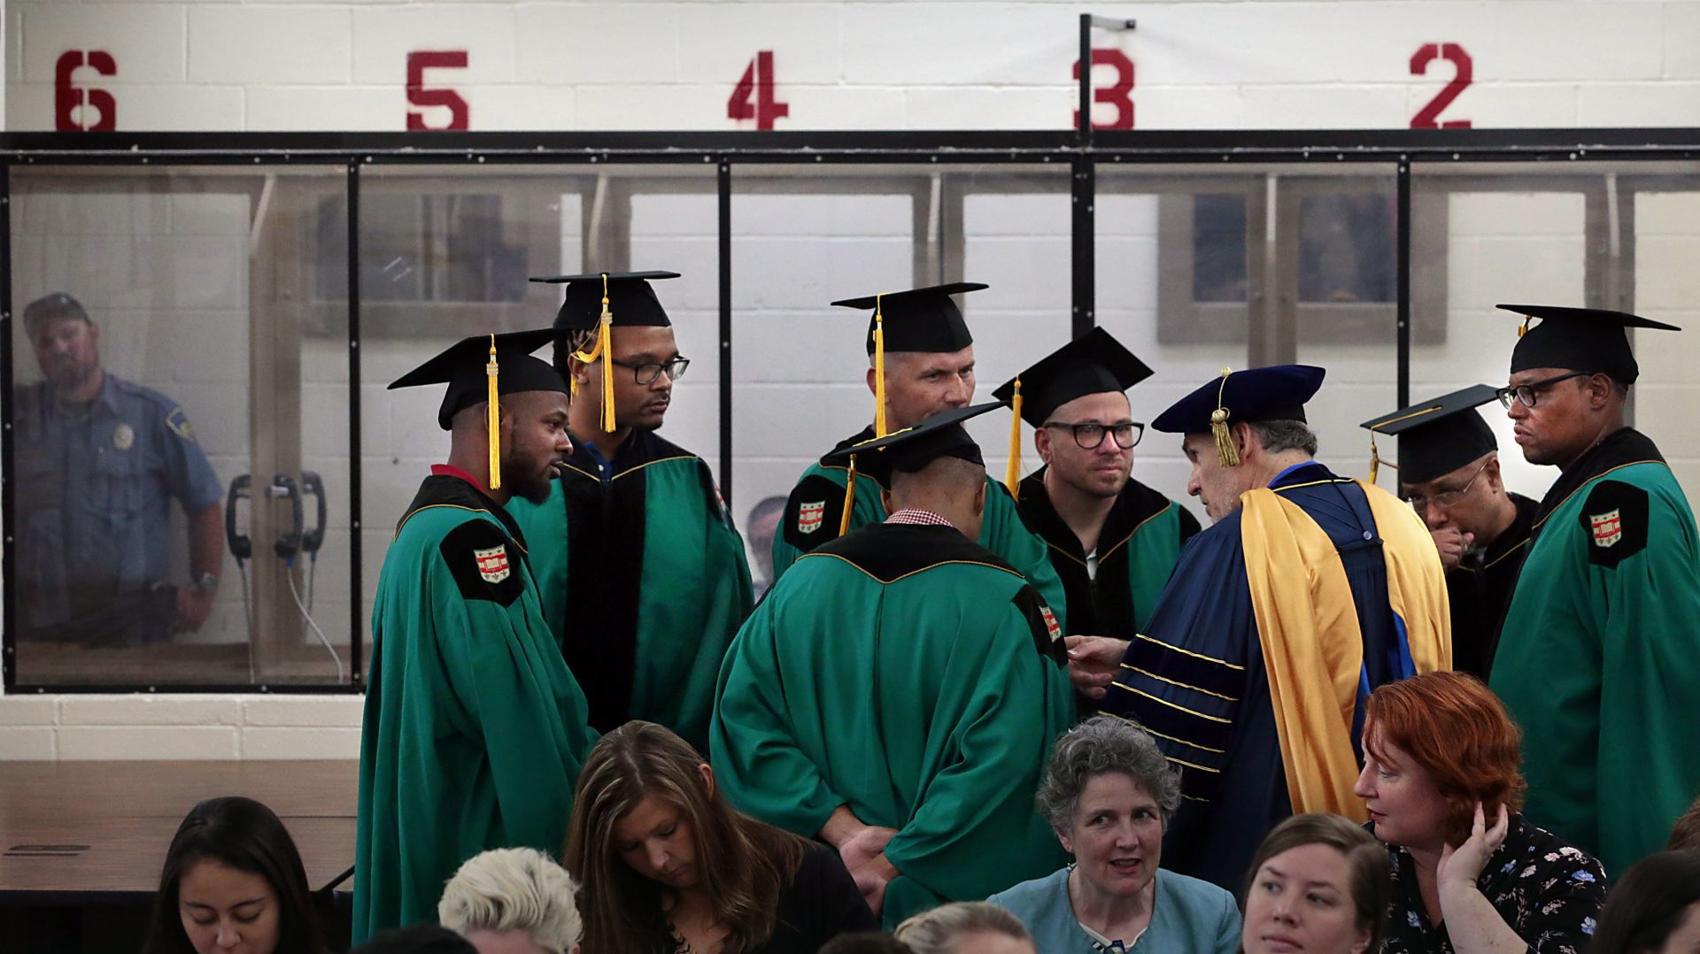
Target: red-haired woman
(1440, 760)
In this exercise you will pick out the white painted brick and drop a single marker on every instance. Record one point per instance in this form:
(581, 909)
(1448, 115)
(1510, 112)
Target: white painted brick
(32, 744)
(604, 43)
(519, 107)
(1682, 53)
(1050, 107)
(141, 710)
(718, 40)
(146, 40)
(209, 213)
(1490, 105)
(1521, 214)
(28, 710)
(270, 44)
(952, 44)
(1639, 104)
(385, 35)
(1189, 107)
(833, 107)
(1325, 107)
(326, 108)
(323, 743)
(14, 44)
(302, 711)
(1674, 285)
(185, 742)
(1667, 214)
(854, 212)
(638, 106)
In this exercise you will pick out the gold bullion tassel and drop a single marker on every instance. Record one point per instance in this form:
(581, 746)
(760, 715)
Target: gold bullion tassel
(849, 498)
(494, 422)
(1012, 477)
(604, 350)
(1219, 427)
(879, 371)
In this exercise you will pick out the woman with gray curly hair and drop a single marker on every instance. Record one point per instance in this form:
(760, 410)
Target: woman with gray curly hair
(1108, 794)
(513, 901)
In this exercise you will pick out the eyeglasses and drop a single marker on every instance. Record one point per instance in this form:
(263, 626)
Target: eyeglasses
(647, 373)
(1090, 434)
(1528, 394)
(1447, 498)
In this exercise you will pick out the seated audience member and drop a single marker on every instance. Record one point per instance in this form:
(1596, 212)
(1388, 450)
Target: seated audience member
(418, 939)
(1441, 758)
(1108, 794)
(966, 927)
(513, 901)
(232, 878)
(1685, 834)
(1318, 885)
(667, 865)
(1654, 908)
(865, 942)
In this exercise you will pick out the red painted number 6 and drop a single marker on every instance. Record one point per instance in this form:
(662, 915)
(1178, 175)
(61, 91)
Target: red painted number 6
(1118, 94)
(1463, 69)
(72, 104)
(417, 95)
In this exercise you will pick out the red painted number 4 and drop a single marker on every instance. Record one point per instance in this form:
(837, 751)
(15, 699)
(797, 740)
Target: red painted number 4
(757, 84)
(419, 95)
(1463, 70)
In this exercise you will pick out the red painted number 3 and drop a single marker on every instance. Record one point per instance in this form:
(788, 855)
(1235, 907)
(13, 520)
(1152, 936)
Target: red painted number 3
(1117, 94)
(1463, 70)
(757, 83)
(418, 95)
(76, 109)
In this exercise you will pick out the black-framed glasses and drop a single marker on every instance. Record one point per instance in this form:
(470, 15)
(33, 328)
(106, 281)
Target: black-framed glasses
(1447, 498)
(647, 373)
(1090, 434)
(1528, 394)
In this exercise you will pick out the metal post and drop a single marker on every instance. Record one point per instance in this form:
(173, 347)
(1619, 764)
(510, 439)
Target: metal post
(8, 511)
(725, 216)
(357, 615)
(1083, 123)
(1403, 273)
(1084, 193)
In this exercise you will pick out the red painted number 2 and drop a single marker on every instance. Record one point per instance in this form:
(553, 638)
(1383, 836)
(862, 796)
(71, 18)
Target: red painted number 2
(1117, 94)
(76, 109)
(757, 84)
(418, 95)
(1463, 69)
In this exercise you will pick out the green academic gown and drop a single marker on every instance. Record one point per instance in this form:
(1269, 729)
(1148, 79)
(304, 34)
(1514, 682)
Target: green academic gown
(474, 729)
(644, 552)
(816, 505)
(1598, 660)
(911, 675)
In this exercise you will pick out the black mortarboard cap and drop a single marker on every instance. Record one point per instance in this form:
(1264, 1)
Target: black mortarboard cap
(463, 368)
(1090, 364)
(1274, 393)
(920, 319)
(1578, 339)
(1439, 435)
(630, 299)
(913, 448)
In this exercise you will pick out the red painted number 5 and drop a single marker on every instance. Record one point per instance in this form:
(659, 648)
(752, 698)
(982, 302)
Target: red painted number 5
(1118, 94)
(1463, 69)
(418, 95)
(76, 109)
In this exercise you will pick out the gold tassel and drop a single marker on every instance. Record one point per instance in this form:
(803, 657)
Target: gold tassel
(1374, 459)
(494, 421)
(1219, 427)
(1523, 328)
(604, 350)
(849, 498)
(879, 371)
(1012, 477)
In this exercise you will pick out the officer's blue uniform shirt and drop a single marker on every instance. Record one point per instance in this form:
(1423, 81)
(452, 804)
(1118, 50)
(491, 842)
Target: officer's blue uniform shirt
(94, 496)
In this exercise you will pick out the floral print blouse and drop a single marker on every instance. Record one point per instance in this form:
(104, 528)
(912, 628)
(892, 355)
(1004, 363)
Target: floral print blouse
(1547, 890)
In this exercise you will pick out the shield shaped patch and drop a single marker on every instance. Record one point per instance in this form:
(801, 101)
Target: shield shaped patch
(1608, 527)
(1051, 625)
(810, 516)
(492, 563)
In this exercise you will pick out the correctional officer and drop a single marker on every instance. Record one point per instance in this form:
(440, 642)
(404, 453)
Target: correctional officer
(99, 460)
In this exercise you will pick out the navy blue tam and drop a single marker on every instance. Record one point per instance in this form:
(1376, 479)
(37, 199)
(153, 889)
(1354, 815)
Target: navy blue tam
(1275, 393)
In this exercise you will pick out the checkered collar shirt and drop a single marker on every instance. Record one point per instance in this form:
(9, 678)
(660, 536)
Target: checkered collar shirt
(925, 518)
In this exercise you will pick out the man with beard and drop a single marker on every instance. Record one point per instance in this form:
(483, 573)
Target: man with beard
(643, 576)
(1598, 660)
(1307, 592)
(474, 728)
(920, 362)
(1113, 540)
(99, 461)
(1449, 472)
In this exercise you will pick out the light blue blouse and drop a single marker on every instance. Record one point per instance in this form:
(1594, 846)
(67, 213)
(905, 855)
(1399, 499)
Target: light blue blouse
(1189, 917)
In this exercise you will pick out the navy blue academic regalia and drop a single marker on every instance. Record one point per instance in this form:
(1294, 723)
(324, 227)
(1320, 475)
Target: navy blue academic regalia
(1195, 677)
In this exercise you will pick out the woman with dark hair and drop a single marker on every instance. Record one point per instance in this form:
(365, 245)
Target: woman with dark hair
(668, 866)
(1654, 908)
(1470, 874)
(1318, 885)
(233, 882)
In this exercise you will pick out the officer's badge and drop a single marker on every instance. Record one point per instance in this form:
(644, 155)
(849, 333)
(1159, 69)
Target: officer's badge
(493, 563)
(179, 424)
(123, 436)
(810, 516)
(1607, 527)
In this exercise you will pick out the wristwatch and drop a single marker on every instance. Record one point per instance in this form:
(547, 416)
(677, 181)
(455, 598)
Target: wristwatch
(205, 583)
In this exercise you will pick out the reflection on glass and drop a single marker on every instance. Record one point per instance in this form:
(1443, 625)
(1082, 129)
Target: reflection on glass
(427, 247)
(1218, 248)
(1346, 251)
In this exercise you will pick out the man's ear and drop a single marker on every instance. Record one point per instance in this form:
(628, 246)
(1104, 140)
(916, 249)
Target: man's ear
(1491, 472)
(1600, 388)
(1243, 440)
(885, 499)
(872, 387)
(980, 499)
(1042, 443)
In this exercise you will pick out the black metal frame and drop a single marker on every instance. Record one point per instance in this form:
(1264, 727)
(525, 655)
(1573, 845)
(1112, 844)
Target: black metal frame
(1083, 150)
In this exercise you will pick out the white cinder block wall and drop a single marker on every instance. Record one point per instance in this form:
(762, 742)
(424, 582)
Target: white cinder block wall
(143, 257)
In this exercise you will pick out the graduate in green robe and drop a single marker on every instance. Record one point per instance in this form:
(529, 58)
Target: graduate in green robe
(474, 729)
(1598, 661)
(897, 692)
(634, 536)
(921, 361)
(1113, 540)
